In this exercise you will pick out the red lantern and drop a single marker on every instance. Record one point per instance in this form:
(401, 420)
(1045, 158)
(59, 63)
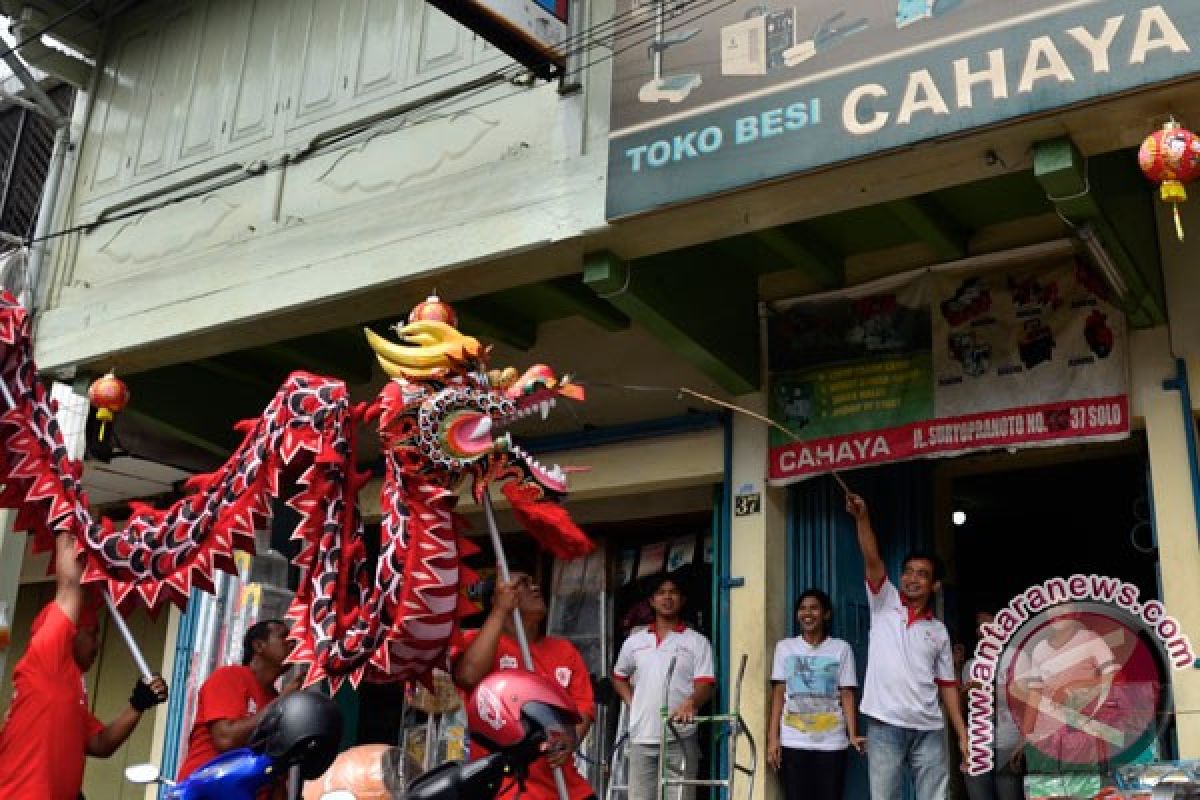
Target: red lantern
(109, 395)
(433, 309)
(1171, 158)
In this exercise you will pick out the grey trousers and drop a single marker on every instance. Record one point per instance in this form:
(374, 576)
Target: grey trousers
(683, 759)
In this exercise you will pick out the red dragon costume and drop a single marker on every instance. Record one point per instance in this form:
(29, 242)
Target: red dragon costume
(439, 419)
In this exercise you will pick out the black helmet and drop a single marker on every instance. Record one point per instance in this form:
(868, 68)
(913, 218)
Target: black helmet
(302, 728)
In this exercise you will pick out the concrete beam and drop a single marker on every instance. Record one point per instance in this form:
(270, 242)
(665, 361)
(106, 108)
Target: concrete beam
(483, 320)
(569, 291)
(706, 313)
(806, 253)
(931, 225)
(202, 442)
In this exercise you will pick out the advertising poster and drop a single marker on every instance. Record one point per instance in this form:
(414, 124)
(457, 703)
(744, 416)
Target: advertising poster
(653, 559)
(681, 553)
(709, 96)
(625, 565)
(941, 363)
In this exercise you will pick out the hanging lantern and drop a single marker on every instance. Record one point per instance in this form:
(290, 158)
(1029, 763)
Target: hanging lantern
(109, 395)
(1170, 157)
(433, 309)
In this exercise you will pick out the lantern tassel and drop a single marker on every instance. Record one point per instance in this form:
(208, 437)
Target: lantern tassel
(105, 415)
(1178, 221)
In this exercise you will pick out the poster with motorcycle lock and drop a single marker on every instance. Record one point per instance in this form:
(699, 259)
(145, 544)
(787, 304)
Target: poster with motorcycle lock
(935, 363)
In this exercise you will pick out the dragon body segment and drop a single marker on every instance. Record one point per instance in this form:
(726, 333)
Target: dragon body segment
(438, 419)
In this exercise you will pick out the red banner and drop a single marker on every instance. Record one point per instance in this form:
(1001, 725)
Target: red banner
(1045, 424)
(934, 364)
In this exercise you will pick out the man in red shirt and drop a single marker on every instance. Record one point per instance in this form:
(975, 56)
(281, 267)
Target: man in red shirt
(234, 697)
(494, 647)
(50, 729)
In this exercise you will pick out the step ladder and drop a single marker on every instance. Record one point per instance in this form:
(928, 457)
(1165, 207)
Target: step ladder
(731, 726)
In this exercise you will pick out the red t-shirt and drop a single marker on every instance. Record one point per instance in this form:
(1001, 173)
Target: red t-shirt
(43, 744)
(558, 660)
(229, 693)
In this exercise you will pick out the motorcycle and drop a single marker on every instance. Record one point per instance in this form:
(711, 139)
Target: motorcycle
(298, 737)
(516, 715)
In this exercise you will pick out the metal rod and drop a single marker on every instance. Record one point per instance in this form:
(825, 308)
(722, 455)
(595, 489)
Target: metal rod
(668, 727)
(43, 102)
(123, 629)
(430, 740)
(522, 640)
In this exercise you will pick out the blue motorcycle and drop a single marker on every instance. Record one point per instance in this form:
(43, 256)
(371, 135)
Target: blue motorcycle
(297, 738)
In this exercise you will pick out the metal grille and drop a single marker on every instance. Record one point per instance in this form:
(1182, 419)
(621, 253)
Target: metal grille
(26, 140)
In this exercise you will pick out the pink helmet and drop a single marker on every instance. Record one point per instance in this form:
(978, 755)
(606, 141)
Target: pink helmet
(509, 707)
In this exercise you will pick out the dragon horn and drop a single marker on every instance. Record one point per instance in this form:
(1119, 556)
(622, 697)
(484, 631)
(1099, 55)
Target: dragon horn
(398, 354)
(408, 373)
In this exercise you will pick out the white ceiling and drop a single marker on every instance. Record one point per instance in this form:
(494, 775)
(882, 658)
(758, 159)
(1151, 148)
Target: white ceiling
(128, 478)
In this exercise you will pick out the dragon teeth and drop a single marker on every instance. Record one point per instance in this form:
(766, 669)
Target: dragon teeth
(483, 428)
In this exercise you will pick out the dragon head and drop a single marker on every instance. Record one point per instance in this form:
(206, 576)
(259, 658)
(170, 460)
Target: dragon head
(445, 412)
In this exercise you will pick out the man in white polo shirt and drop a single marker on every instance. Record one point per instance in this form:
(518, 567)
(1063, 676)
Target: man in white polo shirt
(640, 677)
(909, 669)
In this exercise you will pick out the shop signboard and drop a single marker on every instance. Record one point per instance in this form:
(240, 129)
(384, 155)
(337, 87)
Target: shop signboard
(714, 95)
(937, 363)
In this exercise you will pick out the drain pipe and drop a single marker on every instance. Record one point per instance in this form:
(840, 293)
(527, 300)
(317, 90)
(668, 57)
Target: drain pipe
(39, 247)
(64, 161)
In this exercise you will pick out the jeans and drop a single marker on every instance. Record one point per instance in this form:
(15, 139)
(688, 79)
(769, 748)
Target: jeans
(1002, 783)
(891, 749)
(813, 774)
(643, 769)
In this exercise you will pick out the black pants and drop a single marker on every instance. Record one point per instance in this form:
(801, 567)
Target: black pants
(813, 774)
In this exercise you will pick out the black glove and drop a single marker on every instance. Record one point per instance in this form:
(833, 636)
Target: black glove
(145, 697)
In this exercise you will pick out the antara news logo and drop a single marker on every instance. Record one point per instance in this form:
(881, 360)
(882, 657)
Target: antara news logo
(1075, 670)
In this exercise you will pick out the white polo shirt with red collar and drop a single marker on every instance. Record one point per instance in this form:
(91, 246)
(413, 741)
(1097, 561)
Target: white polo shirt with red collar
(644, 661)
(908, 658)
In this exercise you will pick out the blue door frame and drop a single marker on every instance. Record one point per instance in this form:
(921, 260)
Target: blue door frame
(723, 583)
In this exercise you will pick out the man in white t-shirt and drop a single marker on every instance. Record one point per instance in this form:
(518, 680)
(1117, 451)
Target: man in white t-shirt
(909, 670)
(640, 679)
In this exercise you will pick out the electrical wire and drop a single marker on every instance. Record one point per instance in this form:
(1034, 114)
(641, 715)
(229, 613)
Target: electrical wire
(697, 9)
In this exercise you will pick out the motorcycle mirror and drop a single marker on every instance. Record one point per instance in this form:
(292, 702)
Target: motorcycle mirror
(141, 773)
(338, 794)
